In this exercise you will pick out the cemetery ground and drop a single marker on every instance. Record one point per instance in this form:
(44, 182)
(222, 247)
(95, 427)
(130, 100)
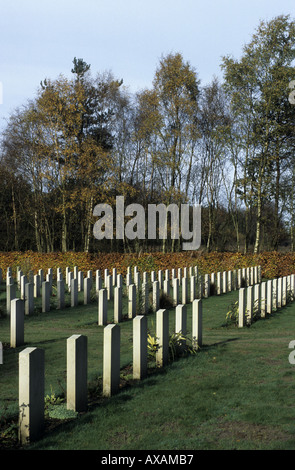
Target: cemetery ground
(235, 392)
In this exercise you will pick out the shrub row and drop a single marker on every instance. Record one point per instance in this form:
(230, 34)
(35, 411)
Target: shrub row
(273, 264)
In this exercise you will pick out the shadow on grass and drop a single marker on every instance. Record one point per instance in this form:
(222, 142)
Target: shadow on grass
(48, 341)
(207, 347)
(278, 312)
(96, 400)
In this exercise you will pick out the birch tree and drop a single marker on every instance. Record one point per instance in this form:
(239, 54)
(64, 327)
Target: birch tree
(258, 84)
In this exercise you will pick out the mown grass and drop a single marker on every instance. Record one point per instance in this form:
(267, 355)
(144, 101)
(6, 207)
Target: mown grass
(237, 392)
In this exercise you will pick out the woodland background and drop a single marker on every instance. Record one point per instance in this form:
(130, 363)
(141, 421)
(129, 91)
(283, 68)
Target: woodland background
(227, 145)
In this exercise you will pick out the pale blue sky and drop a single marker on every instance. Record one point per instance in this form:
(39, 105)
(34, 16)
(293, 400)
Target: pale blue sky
(40, 38)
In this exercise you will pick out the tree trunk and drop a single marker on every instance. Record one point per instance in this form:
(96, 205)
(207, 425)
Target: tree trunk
(37, 232)
(88, 231)
(259, 210)
(210, 228)
(64, 230)
(292, 210)
(14, 221)
(277, 197)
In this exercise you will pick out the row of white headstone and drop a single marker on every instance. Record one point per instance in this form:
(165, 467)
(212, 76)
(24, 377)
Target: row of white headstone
(264, 298)
(113, 289)
(200, 286)
(41, 285)
(223, 282)
(186, 281)
(32, 365)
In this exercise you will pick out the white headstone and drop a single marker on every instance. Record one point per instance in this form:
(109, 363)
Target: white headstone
(117, 304)
(242, 307)
(45, 296)
(197, 322)
(29, 298)
(60, 294)
(181, 322)
(132, 301)
(87, 290)
(77, 373)
(31, 394)
(74, 292)
(139, 347)
(102, 307)
(162, 333)
(111, 360)
(17, 323)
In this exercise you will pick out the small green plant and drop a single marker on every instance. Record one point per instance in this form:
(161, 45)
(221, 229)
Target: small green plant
(9, 434)
(289, 297)
(56, 408)
(51, 400)
(152, 346)
(232, 316)
(93, 294)
(61, 412)
(176, 345)
(179, 346)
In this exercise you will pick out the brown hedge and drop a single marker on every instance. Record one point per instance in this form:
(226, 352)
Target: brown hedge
(273, 264)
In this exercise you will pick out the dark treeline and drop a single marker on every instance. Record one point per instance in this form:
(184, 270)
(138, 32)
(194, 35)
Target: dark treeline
(228, 146)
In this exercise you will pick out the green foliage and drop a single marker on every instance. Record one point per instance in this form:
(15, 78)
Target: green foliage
(257, 86)
(152, 346)
(289, 297)
(51, 400)
(232, 315)
(93, 294)
(80, 67)
(61, 412)
(56, 408)
(9, 434)
(179, 345)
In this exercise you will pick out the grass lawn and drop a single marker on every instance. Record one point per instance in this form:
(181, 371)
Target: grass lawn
(237, 392)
